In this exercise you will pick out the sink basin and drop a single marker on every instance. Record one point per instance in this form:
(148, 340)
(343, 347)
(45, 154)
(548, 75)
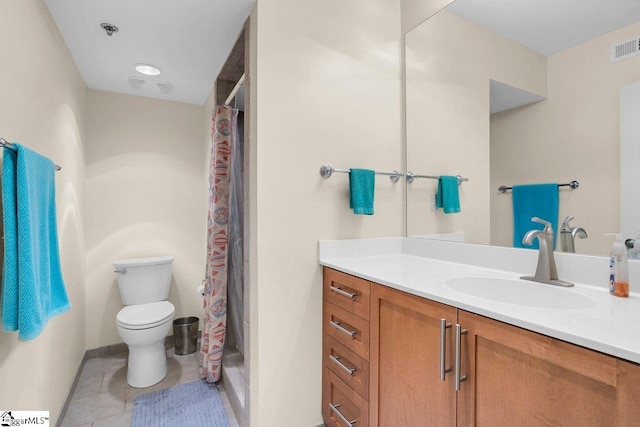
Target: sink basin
(520, 292)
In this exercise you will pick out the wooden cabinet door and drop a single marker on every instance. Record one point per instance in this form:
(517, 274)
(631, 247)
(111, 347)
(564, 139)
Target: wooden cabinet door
(520, 378)
(405, 386)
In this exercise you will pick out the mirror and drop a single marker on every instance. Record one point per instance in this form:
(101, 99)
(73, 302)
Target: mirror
(510, 92)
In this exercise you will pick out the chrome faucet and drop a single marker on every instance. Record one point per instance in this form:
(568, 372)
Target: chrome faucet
(546, 271)
(568, 235)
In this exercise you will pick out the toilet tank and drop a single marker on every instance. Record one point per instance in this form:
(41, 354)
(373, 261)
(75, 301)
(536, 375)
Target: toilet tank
(143, 280)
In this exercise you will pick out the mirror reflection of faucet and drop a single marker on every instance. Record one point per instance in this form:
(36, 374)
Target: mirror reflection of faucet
(546, 271)
(568, 235)
(633, 245)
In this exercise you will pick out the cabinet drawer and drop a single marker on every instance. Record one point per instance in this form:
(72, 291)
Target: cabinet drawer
(346, 365)
(341, 406)
(347, 328)
(348, 292)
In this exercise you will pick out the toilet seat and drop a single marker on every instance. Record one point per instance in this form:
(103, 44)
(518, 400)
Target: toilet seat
(145, 316)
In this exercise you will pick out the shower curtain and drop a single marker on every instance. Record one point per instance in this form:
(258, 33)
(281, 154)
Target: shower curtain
(224, 133)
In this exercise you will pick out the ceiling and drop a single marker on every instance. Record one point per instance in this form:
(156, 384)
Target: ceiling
(549, 26)
(189, 40)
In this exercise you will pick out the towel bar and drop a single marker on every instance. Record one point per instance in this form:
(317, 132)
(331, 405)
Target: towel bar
(326, 171)
(411, 177)
(6, 144)
(572, 184)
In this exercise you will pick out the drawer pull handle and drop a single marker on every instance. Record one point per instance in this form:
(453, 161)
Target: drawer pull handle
(337, 289)
(342, 329)
(336, 360)
(334, 409)
(443, 348)
(459, 378)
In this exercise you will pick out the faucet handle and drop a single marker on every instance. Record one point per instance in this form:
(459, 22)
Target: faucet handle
(567, 220)
(548, 229)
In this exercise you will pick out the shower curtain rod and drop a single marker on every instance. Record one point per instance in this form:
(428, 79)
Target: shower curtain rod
(235, 90)
(7, 144)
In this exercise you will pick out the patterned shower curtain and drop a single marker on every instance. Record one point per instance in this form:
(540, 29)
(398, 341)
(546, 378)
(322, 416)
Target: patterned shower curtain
(215, 293)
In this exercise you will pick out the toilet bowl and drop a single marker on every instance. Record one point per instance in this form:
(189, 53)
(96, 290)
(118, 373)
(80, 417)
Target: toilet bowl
(146, 319)
(143, 328)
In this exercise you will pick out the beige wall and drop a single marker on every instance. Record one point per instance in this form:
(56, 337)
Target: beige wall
(328, 94)
(328, 90)
(42, 108)
(574, 134)
(416, 11)
(449, 63)
(146, 196)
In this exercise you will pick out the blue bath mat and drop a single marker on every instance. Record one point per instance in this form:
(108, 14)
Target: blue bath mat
(194, 404)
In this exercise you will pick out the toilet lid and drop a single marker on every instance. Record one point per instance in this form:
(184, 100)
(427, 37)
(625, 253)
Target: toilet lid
(142, 316)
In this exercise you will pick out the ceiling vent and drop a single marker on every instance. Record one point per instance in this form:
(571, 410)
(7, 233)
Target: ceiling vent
(150, 85)
(625, 49)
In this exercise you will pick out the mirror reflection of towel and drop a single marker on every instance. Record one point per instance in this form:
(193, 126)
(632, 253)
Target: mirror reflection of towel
(531, 200)
(362, 188)
(447, 196)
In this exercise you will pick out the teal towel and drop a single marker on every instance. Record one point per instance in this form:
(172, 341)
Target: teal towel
(447, 196)
(531, 200)
(361, 187)
(33, 289)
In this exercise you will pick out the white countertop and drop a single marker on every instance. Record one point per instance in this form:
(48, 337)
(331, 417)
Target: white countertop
(423, 267)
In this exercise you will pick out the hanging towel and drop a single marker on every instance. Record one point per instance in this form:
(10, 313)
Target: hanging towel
(539, 200)
(33, 288)
(361, 186)
(447, 196)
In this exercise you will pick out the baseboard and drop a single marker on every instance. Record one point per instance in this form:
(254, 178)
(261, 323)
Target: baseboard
(67, 401)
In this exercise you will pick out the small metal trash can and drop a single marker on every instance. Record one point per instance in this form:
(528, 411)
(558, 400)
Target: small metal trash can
(185, 335)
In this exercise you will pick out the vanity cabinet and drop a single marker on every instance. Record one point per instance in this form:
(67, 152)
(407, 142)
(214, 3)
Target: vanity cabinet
(518, 377)
(507, 375)
(405, 360)
(345, 344)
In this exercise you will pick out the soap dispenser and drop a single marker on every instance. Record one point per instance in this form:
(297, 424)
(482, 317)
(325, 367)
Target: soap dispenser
(618, 268)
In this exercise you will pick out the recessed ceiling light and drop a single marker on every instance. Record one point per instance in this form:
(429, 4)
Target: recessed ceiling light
(148, 69)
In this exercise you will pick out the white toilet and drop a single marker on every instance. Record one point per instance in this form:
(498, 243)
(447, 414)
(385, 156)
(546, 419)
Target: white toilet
(147, 318)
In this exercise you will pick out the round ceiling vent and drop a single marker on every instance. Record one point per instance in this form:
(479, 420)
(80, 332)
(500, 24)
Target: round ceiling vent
(109, 28)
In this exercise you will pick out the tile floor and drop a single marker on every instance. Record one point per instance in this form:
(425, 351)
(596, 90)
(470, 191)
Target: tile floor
(103, 397)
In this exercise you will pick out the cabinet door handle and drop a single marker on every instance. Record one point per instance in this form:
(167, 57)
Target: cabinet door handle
(337, 289)
(342, 329)
(459, 378)
(334, 409)
(443, 348)
(336, 360)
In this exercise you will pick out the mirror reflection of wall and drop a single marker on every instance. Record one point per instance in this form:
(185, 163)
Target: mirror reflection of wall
(629, 159)
(564, 128)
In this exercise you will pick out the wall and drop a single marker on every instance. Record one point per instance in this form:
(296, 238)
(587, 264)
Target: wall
(327, 87)
(629, 155)
(574, 134)
(449, 65)
(415, 12)
(146, 196)
(42, 108)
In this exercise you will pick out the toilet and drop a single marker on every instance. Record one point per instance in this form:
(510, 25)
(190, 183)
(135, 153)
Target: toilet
(147, 317)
